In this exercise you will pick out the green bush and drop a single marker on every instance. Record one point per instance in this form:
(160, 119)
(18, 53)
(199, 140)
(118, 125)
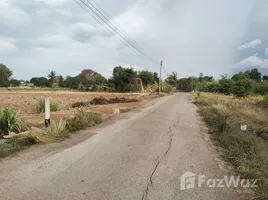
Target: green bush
(83, 120)
(10, 121)
(243, 88)
(40, 107)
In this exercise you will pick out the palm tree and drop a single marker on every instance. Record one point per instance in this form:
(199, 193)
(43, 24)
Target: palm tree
(52, 76)
(172, 79)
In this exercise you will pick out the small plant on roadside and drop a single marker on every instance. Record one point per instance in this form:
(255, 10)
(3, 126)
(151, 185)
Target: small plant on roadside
(40, 107)
(83, 120)
(10, 121)
(57, 131)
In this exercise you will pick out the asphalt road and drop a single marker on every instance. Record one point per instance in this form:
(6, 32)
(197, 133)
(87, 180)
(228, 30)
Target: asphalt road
(139, 158)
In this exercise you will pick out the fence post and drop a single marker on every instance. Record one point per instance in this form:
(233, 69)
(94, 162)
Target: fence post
(47, 112)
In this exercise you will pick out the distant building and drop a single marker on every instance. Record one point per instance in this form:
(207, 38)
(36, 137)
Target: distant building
(26, 85)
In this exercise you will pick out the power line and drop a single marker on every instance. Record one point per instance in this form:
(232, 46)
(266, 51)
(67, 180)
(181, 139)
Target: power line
(116, 25)
(114, 30)
(106, 21)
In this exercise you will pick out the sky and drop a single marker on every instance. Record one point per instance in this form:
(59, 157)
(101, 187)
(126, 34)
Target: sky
(212, 37)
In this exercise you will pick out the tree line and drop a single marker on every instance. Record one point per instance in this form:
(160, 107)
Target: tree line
(127, 79)
(241, 84)
(122, 80)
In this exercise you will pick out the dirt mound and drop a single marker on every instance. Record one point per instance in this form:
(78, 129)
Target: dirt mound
(102, 101)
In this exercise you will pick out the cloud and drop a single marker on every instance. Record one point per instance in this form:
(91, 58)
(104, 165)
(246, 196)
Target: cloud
(7, 46)
(189, 36)
(252, 44)
(84, 32)
(266, 52)
(253, 61)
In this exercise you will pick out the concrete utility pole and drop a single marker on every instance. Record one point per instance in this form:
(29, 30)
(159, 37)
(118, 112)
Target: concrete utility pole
(160, 76)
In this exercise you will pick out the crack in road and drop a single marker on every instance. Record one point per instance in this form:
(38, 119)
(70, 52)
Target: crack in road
(150, 182)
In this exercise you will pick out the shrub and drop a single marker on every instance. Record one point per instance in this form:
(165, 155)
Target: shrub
(55, 132)
(243, 88)
(40, 107)
(82, 120)
(10, 121)
(81, 104)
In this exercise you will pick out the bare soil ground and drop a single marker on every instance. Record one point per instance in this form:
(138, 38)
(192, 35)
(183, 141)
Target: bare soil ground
(25, 101)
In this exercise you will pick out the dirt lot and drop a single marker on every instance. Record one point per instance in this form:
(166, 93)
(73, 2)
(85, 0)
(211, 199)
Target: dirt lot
(25, 102)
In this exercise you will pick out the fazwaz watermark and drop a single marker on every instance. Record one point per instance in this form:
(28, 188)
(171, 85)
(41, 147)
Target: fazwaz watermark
(190, 180)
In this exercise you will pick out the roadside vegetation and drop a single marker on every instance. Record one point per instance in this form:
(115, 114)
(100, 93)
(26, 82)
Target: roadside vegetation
(40, 106)
(59, 130)
(10, 122)
(246, 150)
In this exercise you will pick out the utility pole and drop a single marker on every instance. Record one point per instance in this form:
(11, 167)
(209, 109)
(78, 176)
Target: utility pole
(160, 76)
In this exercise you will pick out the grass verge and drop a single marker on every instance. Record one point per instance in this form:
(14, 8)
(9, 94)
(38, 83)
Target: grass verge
(59, 130)
(246, 150)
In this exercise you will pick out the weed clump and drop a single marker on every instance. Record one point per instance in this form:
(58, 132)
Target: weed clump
(82, 120)
(10, 121)
(40, 106)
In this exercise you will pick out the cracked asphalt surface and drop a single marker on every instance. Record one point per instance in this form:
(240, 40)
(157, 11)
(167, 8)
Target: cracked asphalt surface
(139, 158)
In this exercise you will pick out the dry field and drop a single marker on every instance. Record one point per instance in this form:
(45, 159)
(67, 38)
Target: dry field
(26, 100)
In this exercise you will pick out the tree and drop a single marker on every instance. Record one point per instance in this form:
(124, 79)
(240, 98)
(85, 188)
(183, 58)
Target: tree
(40, 81)
(156, 78)
(146, 77)
(240, 76)
(52, 77)
(243, 88)
(125, 79)
(208, 78)
(14, 82)
(254, 74)
(261, 87)
(5, 74)
(226, 85)
(265, 78)
(201, 77)
(172, 79)
(61, 81)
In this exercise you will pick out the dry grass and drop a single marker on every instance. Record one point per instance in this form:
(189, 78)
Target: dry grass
(247, 151)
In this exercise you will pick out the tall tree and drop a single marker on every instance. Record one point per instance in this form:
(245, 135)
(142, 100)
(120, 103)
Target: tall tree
(172, 79)
(146, 77)
(52, 77)
(5, 74)
(254, 74)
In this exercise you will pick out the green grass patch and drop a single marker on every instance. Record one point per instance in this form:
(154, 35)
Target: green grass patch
(40, 106)
(16, 144)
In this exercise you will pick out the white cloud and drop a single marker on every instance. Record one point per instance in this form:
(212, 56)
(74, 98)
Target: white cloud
(7, 46)
(252, 44)
(253, 61)
(84, 32)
